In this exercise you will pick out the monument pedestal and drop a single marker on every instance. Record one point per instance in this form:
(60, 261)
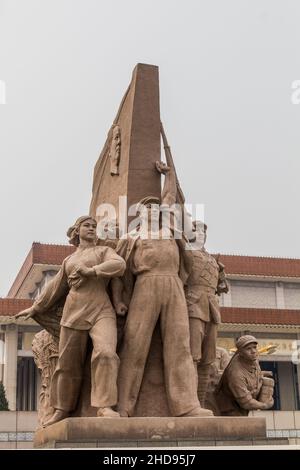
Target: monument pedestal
(151, 432)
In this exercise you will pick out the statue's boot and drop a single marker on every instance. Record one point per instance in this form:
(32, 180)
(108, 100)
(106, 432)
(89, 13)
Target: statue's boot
(203, 381)
(107, 413)
(198, 412)
(58, 416)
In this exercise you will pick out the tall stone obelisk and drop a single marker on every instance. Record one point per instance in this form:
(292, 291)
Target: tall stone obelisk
(138, 127)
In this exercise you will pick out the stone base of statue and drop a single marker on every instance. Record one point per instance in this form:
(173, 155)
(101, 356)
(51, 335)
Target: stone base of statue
(152, 432)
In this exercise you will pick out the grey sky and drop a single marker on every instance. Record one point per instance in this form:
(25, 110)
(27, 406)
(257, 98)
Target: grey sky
(226, 69)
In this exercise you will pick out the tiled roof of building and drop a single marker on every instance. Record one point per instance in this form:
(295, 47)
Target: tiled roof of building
(51, 254)
(40, 253)
(261, 266)
(234, 264)
(268, 316)
(9, 307)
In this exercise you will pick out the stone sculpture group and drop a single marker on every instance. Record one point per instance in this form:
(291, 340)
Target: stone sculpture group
(150, 293)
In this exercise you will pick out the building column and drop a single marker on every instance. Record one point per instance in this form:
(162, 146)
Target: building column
(279, 295)
(1, 355)
(298, 364)
(10, 365)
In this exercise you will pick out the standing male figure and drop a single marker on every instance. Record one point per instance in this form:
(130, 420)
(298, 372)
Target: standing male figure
(157, 264)
(206, 280)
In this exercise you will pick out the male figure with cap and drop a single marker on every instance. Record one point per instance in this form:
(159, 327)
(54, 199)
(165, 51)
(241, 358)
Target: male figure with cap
(241, 385)
(82, 281)
(158, 266)
(206, 281)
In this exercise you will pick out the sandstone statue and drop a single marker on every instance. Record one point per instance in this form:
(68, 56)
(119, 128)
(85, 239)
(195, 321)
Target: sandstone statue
(159, 269)
(206, 281)
(217, 368)
(243, 385)
(215, 373)
(87, 312)
(161, 285)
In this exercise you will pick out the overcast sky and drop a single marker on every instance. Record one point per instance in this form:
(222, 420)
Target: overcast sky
(226, 72)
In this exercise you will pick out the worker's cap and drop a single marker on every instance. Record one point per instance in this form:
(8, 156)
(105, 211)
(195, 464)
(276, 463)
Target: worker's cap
(245, 340)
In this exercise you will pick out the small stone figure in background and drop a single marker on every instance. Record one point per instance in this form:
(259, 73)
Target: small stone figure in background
(243, 385)
(217, 367)
(215, 373)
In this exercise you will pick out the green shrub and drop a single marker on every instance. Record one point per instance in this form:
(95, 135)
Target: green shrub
(3, 399)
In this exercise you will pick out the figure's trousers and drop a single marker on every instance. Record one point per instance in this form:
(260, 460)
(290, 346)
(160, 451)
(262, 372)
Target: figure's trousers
(157, 296)
(67, 378)
(203, 348)
(203, 341)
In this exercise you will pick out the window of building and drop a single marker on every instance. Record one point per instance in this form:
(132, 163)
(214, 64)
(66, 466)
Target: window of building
(286, 391)
(27, 372)
(272, 367)
(26, 384)
(47, 276)
(25, 339)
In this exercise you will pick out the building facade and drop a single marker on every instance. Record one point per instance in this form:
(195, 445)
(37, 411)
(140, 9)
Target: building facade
(264, 300)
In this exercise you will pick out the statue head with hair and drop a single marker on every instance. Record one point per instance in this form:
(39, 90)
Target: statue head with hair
(73, 232)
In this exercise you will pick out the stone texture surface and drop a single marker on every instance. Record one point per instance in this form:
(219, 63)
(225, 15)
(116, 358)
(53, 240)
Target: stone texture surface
(139, 121)
(267, 414)
(155, 430)
(150, 403)
(284, 421)
(192, 444)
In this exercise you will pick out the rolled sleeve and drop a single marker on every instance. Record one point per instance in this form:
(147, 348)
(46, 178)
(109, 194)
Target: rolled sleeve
(112, 265)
